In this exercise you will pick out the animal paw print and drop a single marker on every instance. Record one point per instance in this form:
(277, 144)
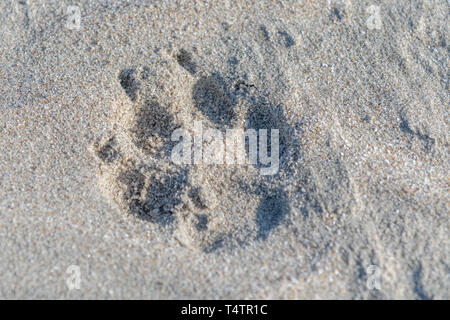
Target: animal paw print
(208, 206)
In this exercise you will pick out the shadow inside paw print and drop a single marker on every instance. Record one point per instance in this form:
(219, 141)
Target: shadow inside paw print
(213, 97)
(281, 36)
(157, 201)
(108, 153)
(153, 127)
(129, 83)
(288, 40)
(184, 59)
(264, 115)
(272, 210)
(134, 182)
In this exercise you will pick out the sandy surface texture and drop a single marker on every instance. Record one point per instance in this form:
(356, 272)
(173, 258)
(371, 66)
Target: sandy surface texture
(93, 205)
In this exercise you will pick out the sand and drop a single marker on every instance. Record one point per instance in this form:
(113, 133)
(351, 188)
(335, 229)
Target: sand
(358, 208)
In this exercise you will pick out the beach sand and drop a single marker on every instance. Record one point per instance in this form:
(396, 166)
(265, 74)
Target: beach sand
(358, 207)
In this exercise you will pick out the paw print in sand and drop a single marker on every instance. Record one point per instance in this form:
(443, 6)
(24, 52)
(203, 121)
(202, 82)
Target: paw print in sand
(208, 206)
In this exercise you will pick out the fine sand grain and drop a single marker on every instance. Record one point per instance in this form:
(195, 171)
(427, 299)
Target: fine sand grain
(358, 208)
